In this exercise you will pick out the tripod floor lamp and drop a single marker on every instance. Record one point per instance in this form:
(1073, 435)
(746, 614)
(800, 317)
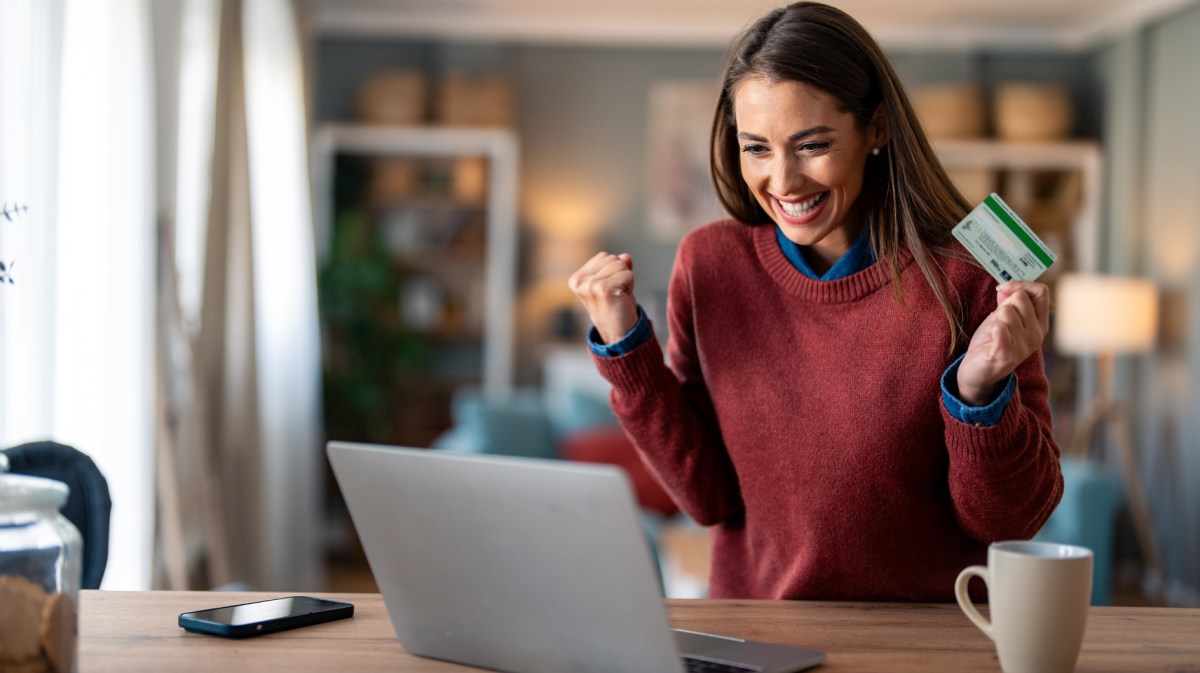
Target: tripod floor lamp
(1103, 317)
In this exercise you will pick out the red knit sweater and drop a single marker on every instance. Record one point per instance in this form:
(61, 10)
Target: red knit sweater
(803, 421)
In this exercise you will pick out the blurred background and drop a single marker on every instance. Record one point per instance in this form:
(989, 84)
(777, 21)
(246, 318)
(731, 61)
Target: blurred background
(243, 227)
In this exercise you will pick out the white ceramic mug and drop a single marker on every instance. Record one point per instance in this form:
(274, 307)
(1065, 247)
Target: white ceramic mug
(1038, 598)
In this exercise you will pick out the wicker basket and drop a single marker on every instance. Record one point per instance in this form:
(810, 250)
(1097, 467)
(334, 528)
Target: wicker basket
(950, 111)
(394, 97)
(1032, 111)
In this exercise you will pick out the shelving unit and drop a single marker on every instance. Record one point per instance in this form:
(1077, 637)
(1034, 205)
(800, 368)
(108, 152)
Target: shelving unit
(450, 257)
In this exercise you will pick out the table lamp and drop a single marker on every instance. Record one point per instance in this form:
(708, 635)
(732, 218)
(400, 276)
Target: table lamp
(1102, 317)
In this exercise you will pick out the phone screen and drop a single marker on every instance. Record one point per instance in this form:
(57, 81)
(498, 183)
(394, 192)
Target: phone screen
(252, 613)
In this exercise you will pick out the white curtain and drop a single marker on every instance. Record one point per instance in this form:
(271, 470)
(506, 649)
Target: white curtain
(217, 155)
(29, 82)
(247, 287)
(271, 380)
(79, 322)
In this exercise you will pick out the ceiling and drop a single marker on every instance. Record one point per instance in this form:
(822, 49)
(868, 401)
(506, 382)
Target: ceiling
(898, 24)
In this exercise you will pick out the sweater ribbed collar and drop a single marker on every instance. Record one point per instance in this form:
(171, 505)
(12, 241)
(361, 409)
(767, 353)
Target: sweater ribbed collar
(851, 288)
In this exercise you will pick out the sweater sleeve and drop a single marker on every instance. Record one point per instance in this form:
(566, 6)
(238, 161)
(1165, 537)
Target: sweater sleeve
(669, 416)
(1005, 480)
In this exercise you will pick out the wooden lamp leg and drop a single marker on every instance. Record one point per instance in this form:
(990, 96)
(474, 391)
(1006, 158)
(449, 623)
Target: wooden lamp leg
(1105, 409)
(1085, 432)
(1139, 509)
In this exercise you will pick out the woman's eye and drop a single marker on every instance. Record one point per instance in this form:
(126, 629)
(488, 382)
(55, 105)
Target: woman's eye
(814, 147)
(754, 149)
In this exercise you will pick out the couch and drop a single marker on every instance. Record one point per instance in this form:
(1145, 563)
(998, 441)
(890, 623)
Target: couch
(572, 424)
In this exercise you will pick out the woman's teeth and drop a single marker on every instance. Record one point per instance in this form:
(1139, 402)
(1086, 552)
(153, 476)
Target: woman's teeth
(802, 208)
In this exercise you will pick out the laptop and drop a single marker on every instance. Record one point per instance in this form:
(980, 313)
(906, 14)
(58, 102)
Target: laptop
(524, 565)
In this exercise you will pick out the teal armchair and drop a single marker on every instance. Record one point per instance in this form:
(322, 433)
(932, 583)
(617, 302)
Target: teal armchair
(1086, 516)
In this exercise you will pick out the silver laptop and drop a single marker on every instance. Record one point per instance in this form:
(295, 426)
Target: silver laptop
(523, 565)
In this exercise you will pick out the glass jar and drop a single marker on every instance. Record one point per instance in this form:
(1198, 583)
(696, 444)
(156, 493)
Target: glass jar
(41, 556)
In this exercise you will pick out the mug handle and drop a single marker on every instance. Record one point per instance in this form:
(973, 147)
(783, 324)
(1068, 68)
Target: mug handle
(964, 600)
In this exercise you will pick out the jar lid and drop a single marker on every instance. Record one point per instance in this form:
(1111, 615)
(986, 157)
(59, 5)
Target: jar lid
(22, 493)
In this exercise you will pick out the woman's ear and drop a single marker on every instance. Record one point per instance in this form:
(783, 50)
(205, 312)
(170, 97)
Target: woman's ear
(877, 129)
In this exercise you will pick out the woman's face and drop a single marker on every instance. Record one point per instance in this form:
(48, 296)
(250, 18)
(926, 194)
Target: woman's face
(803, 158)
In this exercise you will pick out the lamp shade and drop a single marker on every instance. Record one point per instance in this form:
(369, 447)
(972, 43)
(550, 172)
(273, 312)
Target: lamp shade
(1105, 314)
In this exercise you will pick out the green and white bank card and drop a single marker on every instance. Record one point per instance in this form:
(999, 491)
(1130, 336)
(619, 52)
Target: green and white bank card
(1002, 243)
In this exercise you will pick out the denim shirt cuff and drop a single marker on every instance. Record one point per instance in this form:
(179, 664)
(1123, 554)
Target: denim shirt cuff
(635, 337)
(985, 416)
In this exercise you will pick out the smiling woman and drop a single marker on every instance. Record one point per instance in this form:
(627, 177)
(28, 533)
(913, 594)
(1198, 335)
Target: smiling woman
(856, 90)
(849, 396)
(803, 159)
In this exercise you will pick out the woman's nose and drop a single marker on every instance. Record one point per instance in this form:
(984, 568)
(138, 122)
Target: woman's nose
(785, 175)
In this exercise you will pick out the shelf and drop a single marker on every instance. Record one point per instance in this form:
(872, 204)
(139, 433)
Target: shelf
(1081, 156)
(481, 246)
(441, 264)
(416, 141)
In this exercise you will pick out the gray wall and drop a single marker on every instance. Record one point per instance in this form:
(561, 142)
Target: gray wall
(582, 127)
(1151, 138)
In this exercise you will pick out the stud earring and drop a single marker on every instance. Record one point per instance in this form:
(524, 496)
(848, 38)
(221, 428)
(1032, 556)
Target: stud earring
(875, 152)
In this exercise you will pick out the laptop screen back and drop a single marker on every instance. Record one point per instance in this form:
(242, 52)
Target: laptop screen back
(507, 563)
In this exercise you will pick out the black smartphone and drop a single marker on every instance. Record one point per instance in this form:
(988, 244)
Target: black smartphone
(269, 616)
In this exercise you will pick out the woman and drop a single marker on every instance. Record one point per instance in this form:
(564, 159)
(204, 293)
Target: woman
(851, 403)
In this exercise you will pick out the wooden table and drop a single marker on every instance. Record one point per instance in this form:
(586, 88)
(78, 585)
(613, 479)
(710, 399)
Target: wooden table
(138, 631)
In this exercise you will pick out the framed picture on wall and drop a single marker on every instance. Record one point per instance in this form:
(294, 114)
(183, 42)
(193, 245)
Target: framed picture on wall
(681, 195)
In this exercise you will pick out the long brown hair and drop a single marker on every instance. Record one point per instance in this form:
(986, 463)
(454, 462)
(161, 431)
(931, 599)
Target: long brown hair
(907, 198)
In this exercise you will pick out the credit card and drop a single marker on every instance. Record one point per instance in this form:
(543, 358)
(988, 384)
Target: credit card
(1002, 243)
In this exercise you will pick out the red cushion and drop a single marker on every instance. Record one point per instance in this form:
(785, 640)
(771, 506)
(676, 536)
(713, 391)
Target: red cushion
(611, 447)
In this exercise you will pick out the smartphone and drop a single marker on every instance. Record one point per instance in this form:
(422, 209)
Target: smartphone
(276, 614)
